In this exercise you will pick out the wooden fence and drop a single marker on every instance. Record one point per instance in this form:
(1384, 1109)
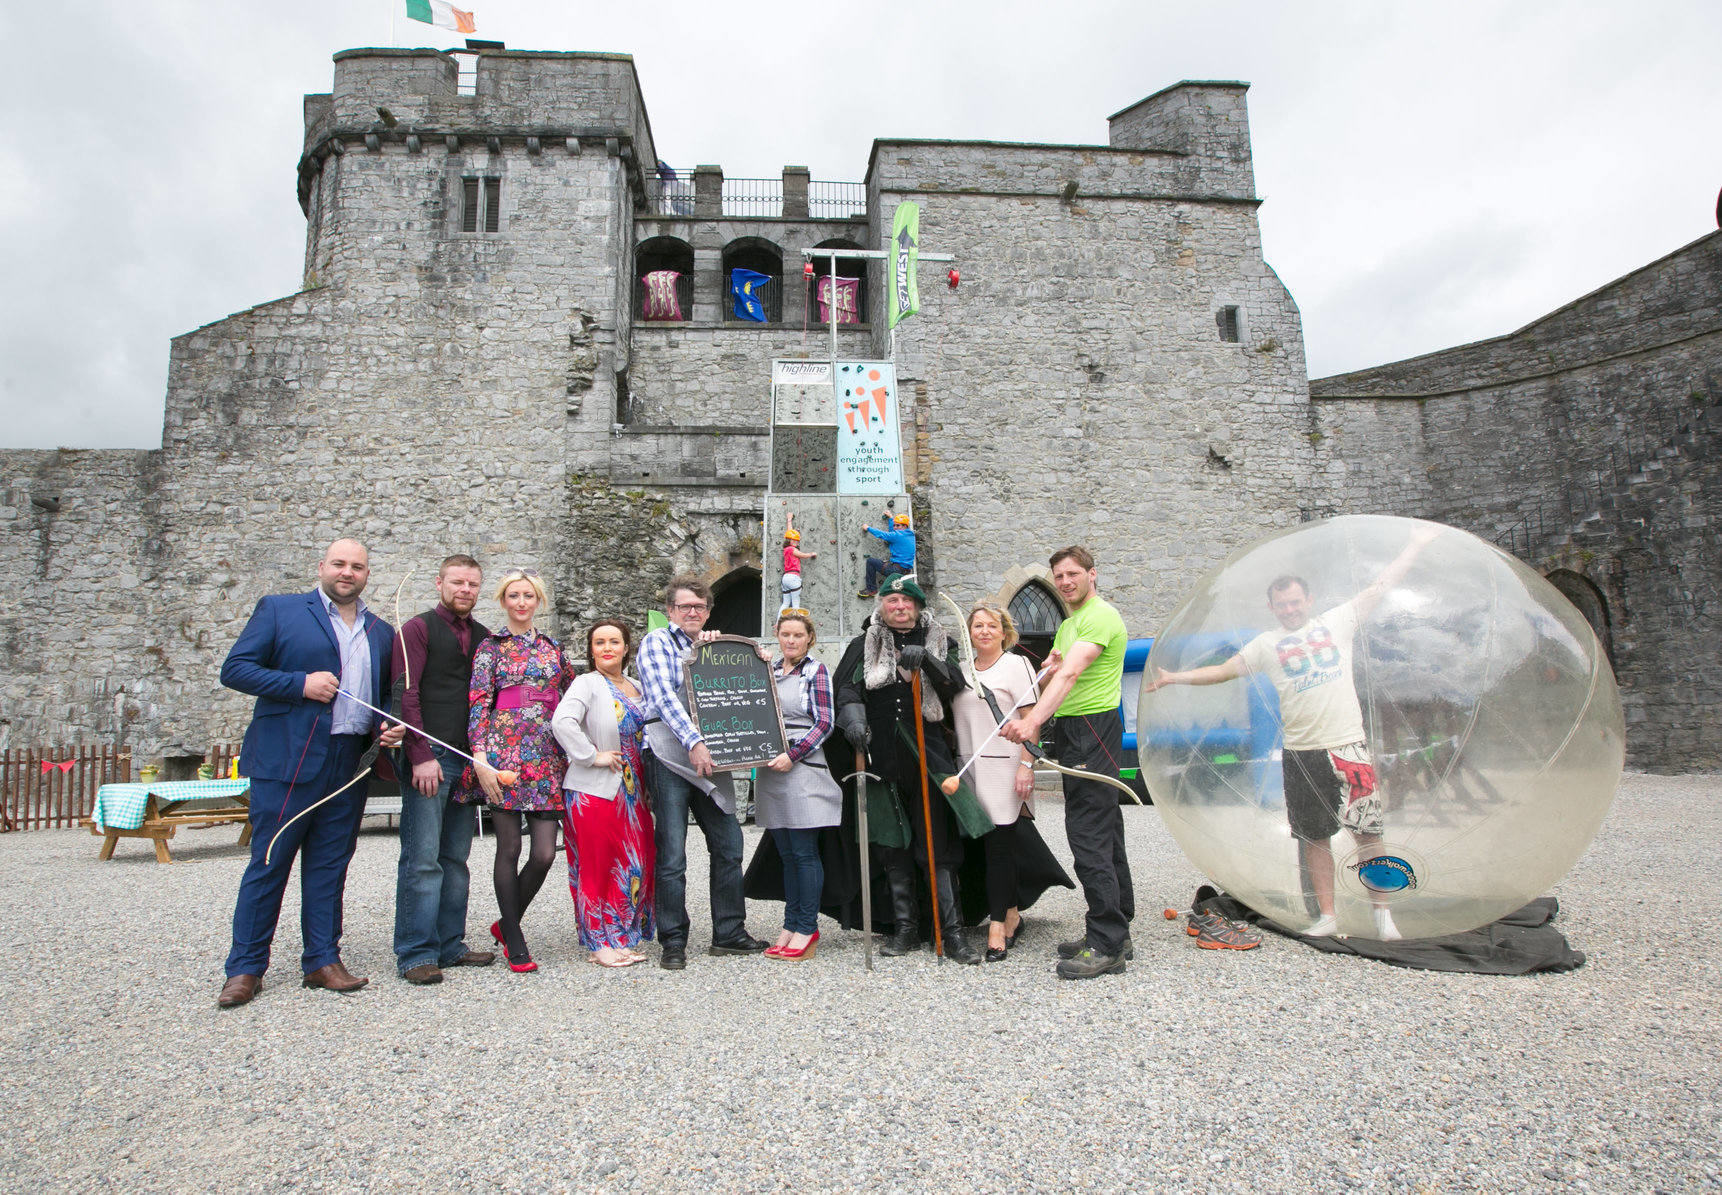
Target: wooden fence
(45, 787)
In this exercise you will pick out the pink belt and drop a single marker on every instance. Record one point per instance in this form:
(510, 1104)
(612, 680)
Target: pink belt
(517, 696)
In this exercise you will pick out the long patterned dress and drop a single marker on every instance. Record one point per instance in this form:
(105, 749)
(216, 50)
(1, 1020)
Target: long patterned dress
(612, 853)
(519, 739)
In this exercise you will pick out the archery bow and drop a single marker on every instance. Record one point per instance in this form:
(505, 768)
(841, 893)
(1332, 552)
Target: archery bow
(972, 674)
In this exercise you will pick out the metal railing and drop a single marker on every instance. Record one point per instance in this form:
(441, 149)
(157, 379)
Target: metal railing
(753, 197)
(835, 201)
(670, 193)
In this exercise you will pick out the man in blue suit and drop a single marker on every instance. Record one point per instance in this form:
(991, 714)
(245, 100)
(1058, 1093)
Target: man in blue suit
(300, 656)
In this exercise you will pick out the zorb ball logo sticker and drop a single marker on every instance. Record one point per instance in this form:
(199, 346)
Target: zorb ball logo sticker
(1385, 873)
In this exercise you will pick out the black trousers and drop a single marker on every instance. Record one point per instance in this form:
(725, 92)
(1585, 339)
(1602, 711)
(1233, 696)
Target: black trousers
(1094, 824)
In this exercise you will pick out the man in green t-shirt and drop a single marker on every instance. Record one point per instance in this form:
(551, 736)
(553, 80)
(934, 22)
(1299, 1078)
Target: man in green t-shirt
(1082, 701)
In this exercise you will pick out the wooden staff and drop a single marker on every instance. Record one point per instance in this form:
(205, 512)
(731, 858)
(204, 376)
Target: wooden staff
(927, 812)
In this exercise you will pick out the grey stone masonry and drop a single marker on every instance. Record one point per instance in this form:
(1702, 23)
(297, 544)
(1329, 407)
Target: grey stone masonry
(1075, 388)
(1586, 443)
(467, 369)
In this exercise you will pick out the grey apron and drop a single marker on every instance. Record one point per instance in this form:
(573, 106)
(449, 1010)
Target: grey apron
(805, 797)
(662, 742)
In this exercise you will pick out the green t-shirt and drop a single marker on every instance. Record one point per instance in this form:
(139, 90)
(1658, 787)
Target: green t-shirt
(1095, 621)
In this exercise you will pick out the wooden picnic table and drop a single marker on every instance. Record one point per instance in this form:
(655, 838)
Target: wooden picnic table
(158, 809)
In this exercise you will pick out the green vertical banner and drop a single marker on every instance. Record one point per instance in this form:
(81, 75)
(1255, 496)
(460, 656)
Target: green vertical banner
(905, 255)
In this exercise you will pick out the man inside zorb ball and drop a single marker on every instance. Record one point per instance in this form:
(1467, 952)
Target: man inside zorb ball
(1329, 774)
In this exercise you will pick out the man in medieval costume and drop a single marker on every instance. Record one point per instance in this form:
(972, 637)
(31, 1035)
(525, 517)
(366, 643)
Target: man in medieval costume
(876, 712)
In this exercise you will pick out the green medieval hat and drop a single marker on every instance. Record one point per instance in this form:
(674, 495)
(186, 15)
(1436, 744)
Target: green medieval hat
(905, 585)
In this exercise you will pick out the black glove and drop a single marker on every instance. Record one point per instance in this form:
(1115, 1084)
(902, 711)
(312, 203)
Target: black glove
(852, 721)
(912, 657)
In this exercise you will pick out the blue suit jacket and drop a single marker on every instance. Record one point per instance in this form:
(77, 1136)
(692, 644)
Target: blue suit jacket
(288, 637)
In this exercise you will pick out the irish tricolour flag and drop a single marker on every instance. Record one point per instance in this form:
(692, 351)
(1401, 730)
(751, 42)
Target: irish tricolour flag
(436, 12)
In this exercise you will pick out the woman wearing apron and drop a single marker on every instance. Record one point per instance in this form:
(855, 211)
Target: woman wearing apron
(795, 795)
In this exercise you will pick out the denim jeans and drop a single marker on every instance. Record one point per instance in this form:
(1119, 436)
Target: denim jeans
(431, 880)
(803, 879)
(672, 797)
(878, 570)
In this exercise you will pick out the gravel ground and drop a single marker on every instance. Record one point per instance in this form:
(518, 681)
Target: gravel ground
(1281, 1069)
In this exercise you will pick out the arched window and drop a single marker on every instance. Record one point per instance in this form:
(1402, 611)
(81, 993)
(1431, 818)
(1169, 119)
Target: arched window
(851, 285)
(762, 257)
(664, 280)
(1037, 613)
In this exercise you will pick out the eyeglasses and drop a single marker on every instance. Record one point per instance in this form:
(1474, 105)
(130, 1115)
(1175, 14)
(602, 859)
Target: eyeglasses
(524, 574)
(692, 607)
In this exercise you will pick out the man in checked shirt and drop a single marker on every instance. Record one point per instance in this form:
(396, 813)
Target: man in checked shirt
(679, 776)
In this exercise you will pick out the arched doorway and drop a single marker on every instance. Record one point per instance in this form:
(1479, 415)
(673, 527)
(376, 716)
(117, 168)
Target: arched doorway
(1581, 592)
(1037, 613)
(736, 603)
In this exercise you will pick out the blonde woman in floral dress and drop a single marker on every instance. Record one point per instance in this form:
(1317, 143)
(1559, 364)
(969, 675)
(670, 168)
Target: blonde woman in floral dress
(518, 676)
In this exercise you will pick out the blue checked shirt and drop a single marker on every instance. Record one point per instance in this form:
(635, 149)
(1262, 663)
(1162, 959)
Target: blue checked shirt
(349, 716)
(661, 680)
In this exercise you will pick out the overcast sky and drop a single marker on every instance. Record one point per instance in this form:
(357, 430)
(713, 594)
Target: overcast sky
(1433, 173)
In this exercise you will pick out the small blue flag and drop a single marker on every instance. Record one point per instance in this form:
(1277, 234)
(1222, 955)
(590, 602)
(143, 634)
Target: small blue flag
(744, 288)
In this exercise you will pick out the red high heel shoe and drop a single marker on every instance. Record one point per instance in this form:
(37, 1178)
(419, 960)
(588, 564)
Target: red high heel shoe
(795, 956)
(518, 968)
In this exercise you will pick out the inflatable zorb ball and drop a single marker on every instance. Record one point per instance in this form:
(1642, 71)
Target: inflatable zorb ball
(1489, 713)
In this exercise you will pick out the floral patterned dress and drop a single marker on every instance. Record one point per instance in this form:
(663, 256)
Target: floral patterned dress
(518, 739)
(612, 852)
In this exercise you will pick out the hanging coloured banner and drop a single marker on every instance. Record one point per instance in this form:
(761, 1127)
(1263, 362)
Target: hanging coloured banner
(905, 256)
(869, 449)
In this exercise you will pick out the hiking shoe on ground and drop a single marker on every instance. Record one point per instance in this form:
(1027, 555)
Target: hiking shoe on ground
(1088, 963)
(1196, 922)
(1227, 935)
(1076, 946)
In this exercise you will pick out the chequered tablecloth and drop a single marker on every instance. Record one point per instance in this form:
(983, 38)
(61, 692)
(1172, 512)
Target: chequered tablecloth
(121, 806)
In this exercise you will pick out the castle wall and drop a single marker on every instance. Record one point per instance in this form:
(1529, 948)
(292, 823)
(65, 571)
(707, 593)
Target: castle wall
(1075, 387)
(1585, 442)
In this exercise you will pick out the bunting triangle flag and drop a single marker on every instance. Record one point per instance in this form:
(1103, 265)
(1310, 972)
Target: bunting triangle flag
(441, 14)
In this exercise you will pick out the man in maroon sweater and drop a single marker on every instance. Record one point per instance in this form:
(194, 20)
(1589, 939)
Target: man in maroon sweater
(434, 653)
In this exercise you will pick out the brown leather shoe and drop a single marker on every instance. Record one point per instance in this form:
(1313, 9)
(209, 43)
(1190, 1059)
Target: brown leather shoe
(239, 990)
(335, 978)
(475, 958)
(422, 974)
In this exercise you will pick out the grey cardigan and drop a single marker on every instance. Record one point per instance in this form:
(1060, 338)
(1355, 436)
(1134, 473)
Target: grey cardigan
(585, 724)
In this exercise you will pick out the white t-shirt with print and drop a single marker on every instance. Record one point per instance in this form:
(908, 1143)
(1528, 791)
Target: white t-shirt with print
(1311, 670)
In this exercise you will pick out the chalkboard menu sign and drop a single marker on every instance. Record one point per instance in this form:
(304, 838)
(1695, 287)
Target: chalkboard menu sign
(733, 699)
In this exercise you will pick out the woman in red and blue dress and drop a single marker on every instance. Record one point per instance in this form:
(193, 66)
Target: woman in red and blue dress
(518, 676)
(607, 830)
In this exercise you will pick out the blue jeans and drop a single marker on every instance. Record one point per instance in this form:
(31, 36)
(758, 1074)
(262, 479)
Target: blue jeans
(672, 797)
(878, 570)
(322, 841)
(803, 879)
(431, 880)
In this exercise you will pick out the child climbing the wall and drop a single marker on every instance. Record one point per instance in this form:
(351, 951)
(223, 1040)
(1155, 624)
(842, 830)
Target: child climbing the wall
(792, 558)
